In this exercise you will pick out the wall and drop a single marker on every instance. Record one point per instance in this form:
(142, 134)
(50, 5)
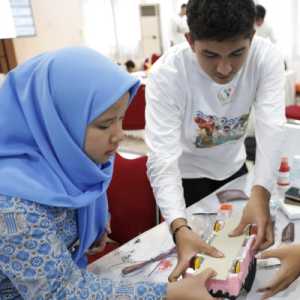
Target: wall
(58, 24)
(167, 12)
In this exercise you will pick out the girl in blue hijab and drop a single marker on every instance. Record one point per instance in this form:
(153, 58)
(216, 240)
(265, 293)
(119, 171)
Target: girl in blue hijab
(61, 122)
(46, 106)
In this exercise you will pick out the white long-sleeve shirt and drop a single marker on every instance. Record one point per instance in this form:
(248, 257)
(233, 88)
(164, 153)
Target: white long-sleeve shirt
(195, 127)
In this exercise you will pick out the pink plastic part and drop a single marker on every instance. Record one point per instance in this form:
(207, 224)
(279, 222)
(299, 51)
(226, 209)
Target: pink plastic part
(233, 284)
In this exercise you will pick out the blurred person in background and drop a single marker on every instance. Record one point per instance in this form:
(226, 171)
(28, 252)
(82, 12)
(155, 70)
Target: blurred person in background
(179, 27)
(262, 28)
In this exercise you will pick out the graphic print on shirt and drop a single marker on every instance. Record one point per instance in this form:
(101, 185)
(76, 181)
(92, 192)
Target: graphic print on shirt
(214, 130)
(225, 95)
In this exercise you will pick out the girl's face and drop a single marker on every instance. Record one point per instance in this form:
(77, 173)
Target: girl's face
(105, 133)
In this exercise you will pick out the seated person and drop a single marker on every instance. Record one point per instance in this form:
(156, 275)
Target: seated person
(61, 123)
(130, 66)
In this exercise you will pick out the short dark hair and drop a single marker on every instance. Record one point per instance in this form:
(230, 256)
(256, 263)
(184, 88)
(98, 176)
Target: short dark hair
(260, 12)
(220, 19)
(129, 64)
(183, 5)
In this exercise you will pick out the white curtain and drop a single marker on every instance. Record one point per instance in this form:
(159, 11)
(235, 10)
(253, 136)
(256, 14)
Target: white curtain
(127, 28)
(99, 26)
(297, 45)
(112, 27)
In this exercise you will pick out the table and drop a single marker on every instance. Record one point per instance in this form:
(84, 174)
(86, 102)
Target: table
(158, 240)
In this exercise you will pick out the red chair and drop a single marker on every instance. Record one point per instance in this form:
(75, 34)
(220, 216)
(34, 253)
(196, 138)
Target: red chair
(154, 58)
(135, 114)
(131, 202)
(293, 112)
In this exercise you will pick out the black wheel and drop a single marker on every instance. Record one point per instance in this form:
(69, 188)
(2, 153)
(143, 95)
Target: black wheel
(222, 295)
(250, 277)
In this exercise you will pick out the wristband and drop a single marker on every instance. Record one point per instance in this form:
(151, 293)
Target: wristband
(177, 229)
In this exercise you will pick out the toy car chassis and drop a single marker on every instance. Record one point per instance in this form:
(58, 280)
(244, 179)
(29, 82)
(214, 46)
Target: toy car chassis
(236, 271)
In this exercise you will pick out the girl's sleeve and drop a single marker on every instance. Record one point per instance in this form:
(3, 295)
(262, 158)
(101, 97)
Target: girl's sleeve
(38, 264)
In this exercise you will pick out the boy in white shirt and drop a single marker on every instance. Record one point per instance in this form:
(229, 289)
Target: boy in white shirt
(199, 97)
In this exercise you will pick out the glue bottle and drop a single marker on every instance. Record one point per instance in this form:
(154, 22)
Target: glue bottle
(284, 173)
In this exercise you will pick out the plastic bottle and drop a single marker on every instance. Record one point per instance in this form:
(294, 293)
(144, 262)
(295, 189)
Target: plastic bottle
(284, 173)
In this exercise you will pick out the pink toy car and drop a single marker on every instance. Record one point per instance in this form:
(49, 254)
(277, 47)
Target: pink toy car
(238, 267)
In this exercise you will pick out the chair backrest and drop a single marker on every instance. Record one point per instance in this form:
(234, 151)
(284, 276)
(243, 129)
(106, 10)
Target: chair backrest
(131, 200)
(135, 114)
(154, 58)
(293, 112)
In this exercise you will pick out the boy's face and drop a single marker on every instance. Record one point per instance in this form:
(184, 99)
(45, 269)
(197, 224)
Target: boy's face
(105, 133)
(221, 61)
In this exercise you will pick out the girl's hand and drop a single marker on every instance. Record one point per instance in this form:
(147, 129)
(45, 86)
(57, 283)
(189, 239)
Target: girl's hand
(99, 245)
(191, 288)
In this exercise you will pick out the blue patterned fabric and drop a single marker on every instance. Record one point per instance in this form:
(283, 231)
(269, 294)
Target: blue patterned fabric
(35, 263)
(46, 105)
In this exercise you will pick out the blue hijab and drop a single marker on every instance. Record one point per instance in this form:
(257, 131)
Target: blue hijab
(46, 105)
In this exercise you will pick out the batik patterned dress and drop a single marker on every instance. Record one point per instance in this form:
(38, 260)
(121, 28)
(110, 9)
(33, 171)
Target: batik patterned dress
(36, 263)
